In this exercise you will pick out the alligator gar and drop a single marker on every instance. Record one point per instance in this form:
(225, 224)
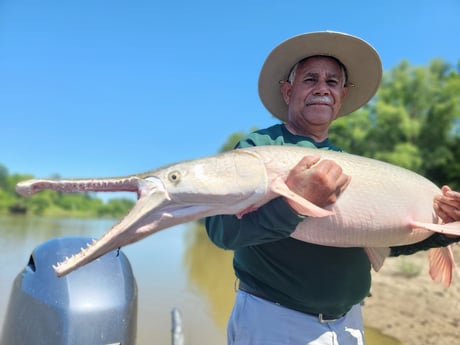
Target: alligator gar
(384, 205)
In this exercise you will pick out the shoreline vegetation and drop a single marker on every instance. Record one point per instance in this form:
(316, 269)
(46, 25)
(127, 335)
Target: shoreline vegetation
(113, 208)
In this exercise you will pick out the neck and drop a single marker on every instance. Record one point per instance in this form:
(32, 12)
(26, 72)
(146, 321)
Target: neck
(317, 134)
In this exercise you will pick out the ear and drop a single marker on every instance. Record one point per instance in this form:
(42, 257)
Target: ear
(286, 89)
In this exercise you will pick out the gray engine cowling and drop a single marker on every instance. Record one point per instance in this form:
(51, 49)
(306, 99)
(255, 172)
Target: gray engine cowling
(96, 304)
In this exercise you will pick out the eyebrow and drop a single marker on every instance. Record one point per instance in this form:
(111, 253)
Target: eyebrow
(342, 66)
(316, 74)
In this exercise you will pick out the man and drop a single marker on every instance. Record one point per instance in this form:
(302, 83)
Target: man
(293, 292)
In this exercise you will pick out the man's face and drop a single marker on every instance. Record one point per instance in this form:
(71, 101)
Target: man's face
(315, 96)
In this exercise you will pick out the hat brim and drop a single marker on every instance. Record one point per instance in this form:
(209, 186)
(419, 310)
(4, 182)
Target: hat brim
(361, 60)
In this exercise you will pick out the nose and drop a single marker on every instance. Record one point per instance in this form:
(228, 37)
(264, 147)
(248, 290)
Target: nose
(321, 88)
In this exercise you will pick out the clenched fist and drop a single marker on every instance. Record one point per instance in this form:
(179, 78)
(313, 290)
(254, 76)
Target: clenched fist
(319, 181)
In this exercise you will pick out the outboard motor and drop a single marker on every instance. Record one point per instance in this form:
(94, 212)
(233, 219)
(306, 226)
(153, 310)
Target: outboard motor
(94, 305)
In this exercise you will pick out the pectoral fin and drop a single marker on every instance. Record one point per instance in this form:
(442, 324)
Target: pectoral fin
(306, 207)
(448, 228)
(377, 256)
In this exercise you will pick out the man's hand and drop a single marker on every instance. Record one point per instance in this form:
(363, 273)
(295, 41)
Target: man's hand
(447, 205)
(319, 181)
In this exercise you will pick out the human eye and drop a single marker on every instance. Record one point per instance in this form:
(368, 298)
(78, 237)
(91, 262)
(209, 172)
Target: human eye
(333, 82)
(309, 79)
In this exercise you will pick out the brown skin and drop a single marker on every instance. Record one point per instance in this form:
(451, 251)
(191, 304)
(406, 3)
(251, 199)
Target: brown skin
(447, 205)
(321, 183)
(314, 99)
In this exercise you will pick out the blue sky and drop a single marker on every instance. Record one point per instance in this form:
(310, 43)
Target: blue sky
(94, 88)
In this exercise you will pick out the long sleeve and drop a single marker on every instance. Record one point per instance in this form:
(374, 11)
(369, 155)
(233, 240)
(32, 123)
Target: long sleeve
(273, 221)
(434, 241)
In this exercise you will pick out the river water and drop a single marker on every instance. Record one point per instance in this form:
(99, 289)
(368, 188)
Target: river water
(175, 268)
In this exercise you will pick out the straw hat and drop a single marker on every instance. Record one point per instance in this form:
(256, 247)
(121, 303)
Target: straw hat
(362, 62)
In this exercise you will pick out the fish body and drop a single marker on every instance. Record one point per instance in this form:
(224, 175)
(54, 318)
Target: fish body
(384, 205)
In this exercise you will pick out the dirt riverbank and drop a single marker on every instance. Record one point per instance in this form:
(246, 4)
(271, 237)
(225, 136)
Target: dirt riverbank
(409, 306)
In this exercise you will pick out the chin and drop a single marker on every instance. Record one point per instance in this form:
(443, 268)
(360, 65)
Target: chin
(319, 119)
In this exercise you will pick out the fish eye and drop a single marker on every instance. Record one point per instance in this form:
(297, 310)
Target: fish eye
(174, 176)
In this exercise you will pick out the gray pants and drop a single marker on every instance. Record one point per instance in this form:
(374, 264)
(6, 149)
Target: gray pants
(255, 321)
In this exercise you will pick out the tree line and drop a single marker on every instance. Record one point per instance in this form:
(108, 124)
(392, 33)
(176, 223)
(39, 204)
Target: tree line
(413, 122)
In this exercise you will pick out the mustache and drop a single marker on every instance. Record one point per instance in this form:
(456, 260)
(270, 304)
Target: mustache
(319, 99)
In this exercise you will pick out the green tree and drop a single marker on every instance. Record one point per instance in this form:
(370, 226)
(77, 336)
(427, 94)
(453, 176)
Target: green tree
(115, 207)
(3, 177)
(413, 121)
(233, 139)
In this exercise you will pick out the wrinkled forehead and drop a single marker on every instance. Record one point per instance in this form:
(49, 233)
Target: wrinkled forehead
(321, 61)
(334, 65)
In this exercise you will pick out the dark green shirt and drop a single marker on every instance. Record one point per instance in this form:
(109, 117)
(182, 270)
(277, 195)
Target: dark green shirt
(298, 275)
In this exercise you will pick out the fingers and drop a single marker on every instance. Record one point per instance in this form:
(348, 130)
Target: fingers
(442, 214)
(447, 213)
(447, 205)
(343, 181)
(333, 174)
(336, 180)
(445, 189)
(309, 161)
(319, 181)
